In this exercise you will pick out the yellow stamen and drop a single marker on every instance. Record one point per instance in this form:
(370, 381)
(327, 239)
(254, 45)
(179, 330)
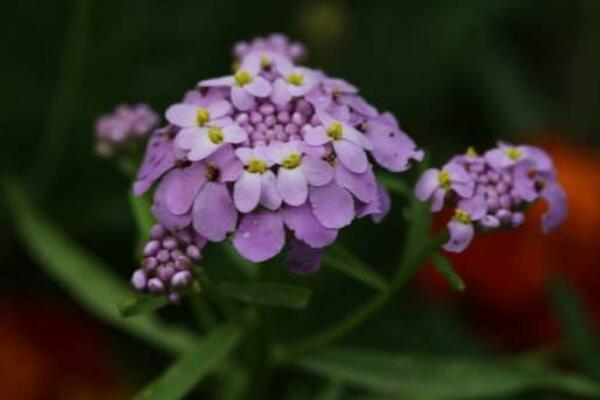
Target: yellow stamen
(292, 160)
(256, 166)
(295, 78)
(444, 180)
(242, 77)
(462, 216)
(202, 117)
(513, 153)
(471, 152)
(265, 61)
(335, 130)
(215, 134)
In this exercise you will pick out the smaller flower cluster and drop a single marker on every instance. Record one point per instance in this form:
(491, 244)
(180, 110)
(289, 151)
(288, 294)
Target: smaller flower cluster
(493, 191)
(167, 264)
(124, 124)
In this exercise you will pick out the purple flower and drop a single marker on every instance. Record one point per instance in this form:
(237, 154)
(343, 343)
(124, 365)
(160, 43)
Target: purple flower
(275, 154)
(435, 184)
(125, 124)
(245, 84)
(349, 144)
(297, 171)
(258, 184)
(493, 191)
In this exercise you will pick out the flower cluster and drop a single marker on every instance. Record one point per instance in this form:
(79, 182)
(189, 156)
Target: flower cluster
(124, 124)
(493, 191)
(167, 263)
(275, 153)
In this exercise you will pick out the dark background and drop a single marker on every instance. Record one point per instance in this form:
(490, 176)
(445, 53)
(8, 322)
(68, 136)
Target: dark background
(455, 73)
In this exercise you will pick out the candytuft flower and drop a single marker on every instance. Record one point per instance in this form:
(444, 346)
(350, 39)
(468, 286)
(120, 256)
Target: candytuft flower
(492, 191)
(276, 154)
(124, 125)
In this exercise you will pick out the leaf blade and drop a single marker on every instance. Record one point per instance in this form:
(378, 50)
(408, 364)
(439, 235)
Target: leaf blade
(442, 264)
(339, 258)
(192, 366)
(273, 294)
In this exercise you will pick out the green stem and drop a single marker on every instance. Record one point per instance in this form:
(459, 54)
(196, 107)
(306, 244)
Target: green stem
(409, 266)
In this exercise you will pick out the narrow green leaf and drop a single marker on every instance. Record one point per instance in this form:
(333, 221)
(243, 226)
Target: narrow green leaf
(394, 184)
(428, 377)
(83, 276)
(266, 293)
(579, 335)
(443, 265)
(140, 206)
(341, 259)
(142, 304)
(192, 366)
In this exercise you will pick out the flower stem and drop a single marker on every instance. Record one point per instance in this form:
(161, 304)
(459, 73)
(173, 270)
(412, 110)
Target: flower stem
(409, 266)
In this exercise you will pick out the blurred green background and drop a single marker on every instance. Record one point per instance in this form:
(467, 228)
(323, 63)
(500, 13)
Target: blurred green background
(455, 73)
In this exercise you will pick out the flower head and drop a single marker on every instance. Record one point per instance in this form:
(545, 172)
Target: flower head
(492, 191)
(125, 124)
(275, 154)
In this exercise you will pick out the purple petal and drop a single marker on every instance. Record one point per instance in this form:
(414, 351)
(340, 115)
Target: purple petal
(259, 87)
(246, 192)
(363, 186)
(292, 186)
(203, 148)
(460, 236)
(358, 104)
(159, 158)
(317, 136)
(241, 98)
(269, 193)
(556, 198)
(260, 236)
(317, 171)
(281, 95)
(439, 196)
(352, 156)
(219, 109)
(523, 184)
(229, 166)
(234, 134)
(302, 259)
(218, 82)
(392, 148)
(475, 206)
(164, 216)
(214, 213)
(187, 138)
(427, 184)
(181, 187)
(307, 228)
(184, 115)
(385, 203)
(332, 205)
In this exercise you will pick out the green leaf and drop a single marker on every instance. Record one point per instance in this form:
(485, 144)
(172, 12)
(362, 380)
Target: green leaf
(579, 335)
(332, 391)
(340, 258)
(443, 265)
(266, 294)
(83, 276)
(191, 367)
(145, 303)
(428, 377)
(140, 205)
(394, 184)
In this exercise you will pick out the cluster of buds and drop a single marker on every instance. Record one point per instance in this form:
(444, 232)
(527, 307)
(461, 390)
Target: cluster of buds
(124, 125)
(274, 154)
(166, 268)
(493, 191)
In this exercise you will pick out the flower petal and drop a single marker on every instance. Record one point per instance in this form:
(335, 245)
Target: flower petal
(460, 236)
(307, 228)
(556, 198)
(292, 186)
(427, 184)
(363, 186)
(260, 236)
(241, 98)
(181, 187)
(203, 148)
(317, 171)
(302, 259)
(234, 134)
(269, 193)
(218, 109)
(187, 138)
(259, 87)
(332, 205)
(246, 192)
(281, 94)
(214, 214)
(392, 148)
(218, 82)
(352, 156)
(183, 115)
(317, 136)
(385, 204)
(164, 216)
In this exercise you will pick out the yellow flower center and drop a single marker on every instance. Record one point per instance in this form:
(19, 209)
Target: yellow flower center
(444, 180)
(513, 153)
(295, 78)
(242, 77)
(202, 117)
(265, 61)
(462, 216)
(471, 152)
(256, 166)
(335, 130)
(215, 134)
(292, 160)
